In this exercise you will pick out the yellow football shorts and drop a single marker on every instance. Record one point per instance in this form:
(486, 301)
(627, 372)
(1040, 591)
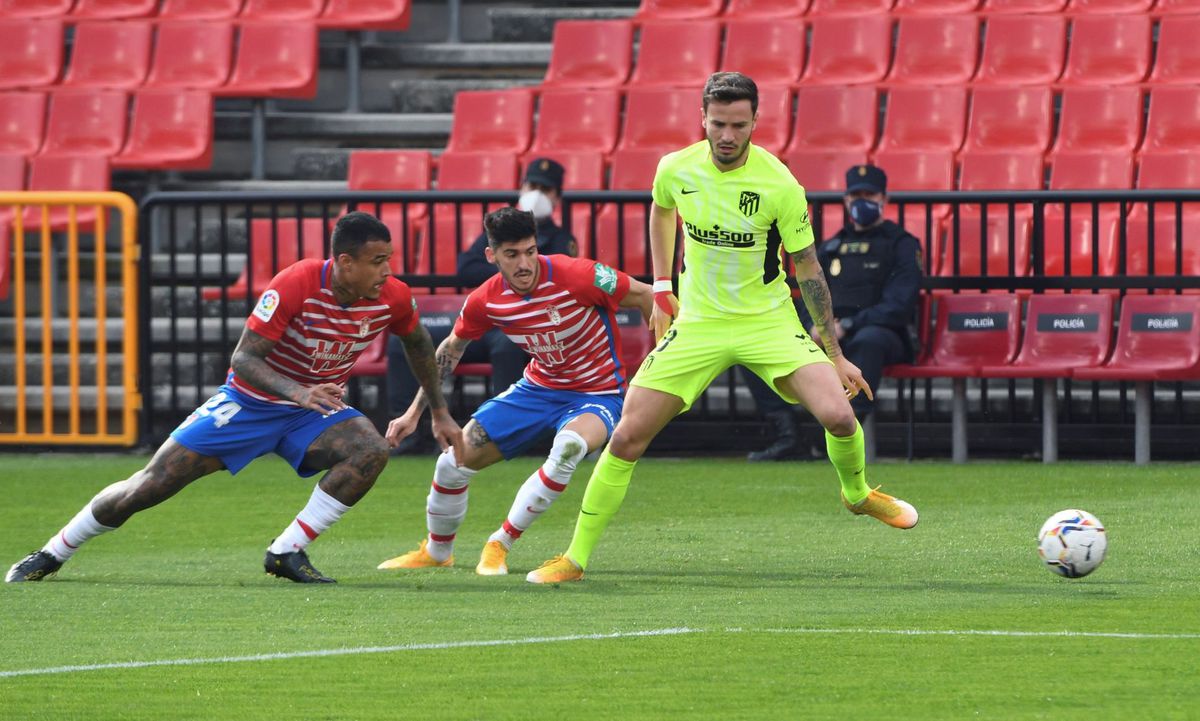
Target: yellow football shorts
(695, 351)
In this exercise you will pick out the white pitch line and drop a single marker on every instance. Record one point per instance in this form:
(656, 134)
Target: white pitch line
(591, 637)
(986, 632)
(347, 651)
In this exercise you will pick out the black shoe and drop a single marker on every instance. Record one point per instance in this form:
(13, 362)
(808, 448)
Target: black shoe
(34, 567)
(787, 439)
(294, 566)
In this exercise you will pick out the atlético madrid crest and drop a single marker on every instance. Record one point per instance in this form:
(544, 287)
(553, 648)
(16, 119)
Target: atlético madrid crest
(748, 203)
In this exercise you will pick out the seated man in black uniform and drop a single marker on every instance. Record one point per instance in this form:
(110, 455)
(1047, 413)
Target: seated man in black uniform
(873, 269)
(541, 191)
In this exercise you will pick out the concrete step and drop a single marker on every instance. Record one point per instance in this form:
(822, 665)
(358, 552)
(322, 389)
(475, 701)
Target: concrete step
(436, 95)
(536, 24)
(235, 125)
(185, 331)
(457, 55)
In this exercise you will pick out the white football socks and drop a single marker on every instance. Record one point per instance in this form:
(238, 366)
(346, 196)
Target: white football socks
(83, 526)
(447, 505)
(542, 487)
(322, 511)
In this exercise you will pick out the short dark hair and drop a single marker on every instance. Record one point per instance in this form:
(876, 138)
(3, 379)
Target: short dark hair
(729, 88)
(356, 229)
(509, 225)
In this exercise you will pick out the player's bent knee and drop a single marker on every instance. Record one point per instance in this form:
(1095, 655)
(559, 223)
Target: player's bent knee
(626, 446)
(842, 423)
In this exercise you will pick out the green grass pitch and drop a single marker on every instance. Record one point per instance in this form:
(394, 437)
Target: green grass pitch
(722, 590)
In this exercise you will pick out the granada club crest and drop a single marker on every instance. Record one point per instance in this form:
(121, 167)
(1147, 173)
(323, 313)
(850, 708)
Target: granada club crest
(364, 327)
(748, 203)
(555, 316)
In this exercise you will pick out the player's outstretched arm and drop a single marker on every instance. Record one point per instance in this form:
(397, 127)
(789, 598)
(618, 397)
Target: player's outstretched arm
(249, 362)
(430, 369)
(662, 256)
(815, 291)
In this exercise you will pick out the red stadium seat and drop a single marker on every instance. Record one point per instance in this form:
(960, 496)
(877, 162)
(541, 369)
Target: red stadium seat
(192, 54)
(925, 118)
(1099, 120)
(936, 50)
(971, 331)
(1109, 6)
(577, 119)
(1090, 171)
(34, 9)
(171, 130)
(1001, 171)
(277, 60)
(282, 10)
(395, 170)
(32, 53)
(492, 121)
(977, 241)
(1178, 56)
(770, 50)
(1108, 50)
(582, 170)
(1158, 338)
(463, 171)
(110, 55)
(1016, 119)
(819, 170)
(663, 119)
(1023, 6)
(590, 54)
(1176, 246)
(1169, 169)
(919, 170)
(1168, 7)
(850, 7)
(66, 172)
(627, 250)
(274, 245)
(12, 178)
(86, 122)
(1173, 122)
(935, 7)
(679, 9)
(1062, 332)
(1023, 50)
(367, 15)
(849, 50)
(113, 9)
(766, 8)
(680, 53)
(1084, 171)
(774, 118)
(200, 9)
(22, 122)
(833, 118)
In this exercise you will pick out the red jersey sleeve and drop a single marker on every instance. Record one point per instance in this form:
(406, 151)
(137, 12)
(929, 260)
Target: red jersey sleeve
(473, 321)
(590, 281)
(403, 306)
(280, 302)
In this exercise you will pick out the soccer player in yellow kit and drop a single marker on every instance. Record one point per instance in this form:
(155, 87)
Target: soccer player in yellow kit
(739, 206)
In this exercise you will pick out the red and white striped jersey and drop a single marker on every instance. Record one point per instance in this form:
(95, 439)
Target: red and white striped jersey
(566, 324)
(318, 339)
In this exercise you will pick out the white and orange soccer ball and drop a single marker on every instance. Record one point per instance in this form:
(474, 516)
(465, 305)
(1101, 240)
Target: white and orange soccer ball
(1072, 543)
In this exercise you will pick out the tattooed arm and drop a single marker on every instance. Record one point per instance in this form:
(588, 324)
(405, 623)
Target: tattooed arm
(811, 279)
(431, 369)
(249, 362)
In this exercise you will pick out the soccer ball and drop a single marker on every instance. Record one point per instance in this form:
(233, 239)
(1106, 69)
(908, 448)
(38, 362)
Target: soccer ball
(1072, 543)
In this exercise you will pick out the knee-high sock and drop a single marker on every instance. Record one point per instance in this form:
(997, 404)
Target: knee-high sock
(849, 458)
(605, 492)
(447, 504)
(541, 488)
(321, 512)
(83, 526)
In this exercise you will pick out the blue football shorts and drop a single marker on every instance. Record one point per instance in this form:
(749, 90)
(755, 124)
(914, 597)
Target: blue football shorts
(237, 429)
(521, 415)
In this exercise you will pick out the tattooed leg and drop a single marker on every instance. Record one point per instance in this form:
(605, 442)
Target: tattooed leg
(479, 450)
(354, 453)
(169, 471)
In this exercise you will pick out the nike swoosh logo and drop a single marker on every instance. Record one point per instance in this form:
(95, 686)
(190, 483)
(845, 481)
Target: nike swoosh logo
(531, 509)
(588, 513)
(859, 471)
(684, 191)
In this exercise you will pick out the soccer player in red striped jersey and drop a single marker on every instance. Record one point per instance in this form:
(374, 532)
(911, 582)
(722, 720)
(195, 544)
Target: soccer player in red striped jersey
(560, 310)
(283, 395)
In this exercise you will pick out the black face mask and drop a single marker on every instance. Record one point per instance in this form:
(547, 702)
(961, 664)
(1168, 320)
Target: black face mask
(864, 212)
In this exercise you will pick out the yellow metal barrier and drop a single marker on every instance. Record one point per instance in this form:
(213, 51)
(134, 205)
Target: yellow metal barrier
(74, 412)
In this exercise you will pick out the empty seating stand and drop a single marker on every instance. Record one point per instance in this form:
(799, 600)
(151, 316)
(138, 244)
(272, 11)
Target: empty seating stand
(170, 130)
(590, 54)
(677, 53)
(274, 244)
(1158, 339)
(1023, 50)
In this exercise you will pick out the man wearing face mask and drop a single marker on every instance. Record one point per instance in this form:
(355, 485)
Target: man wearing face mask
(540, 191)
(873, 269)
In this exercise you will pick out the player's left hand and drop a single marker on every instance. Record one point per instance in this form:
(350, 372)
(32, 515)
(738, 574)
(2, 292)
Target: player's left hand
(448, 434)
(401, 428)
(851, 378)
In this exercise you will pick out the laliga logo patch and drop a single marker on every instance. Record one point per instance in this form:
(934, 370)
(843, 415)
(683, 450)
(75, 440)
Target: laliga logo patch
(267, 305)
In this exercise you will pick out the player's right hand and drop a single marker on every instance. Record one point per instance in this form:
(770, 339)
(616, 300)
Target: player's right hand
(448, 434)
(324, 398)
(401, 428)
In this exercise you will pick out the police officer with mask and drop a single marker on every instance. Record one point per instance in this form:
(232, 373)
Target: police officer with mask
(873, 268)
(541, 191)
